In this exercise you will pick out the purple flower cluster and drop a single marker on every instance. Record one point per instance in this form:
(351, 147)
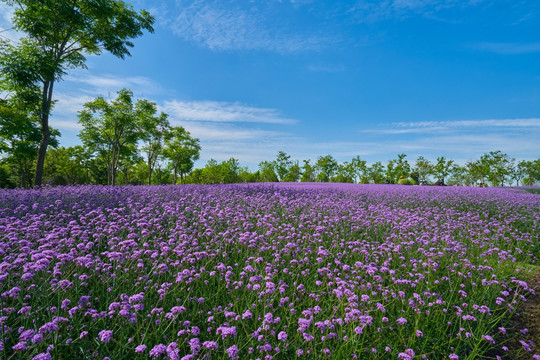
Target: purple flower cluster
(264, 271)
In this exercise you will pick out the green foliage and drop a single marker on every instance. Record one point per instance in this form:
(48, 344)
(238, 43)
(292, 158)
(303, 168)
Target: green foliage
(58, 34)
(282, 164)
(326, 166)
(182, 150)
(267, 172)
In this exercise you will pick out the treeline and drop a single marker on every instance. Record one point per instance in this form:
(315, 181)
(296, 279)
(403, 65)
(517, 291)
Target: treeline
(494, 169)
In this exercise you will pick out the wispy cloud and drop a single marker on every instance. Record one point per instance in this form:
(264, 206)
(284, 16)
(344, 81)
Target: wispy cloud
(376, 10)
(214, 111)
(6, 27)
(507, 48)
(223, 25)
(113, 83)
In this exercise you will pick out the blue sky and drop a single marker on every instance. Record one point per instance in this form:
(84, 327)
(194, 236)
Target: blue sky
(454, 78)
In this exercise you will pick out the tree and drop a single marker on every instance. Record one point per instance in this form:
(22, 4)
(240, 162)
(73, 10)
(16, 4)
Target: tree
(442, 168)
(182, 150)
(294, 173)
(308, 172)
(359, 169)
(401, 167)
(19, 138)
(376, 172)
(327, 167)
(345, 173)
(500, 166)
(267, 172)
(113, 129)
(153, 130)
(58, 35)
(423, 168)
(282, 164)
(67, 166)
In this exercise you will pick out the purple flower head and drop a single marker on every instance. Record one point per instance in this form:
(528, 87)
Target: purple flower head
(233, 352)
(105, 335)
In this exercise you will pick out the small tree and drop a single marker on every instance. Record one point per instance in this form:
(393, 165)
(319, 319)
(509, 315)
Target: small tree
(182, 150)
(108, 127)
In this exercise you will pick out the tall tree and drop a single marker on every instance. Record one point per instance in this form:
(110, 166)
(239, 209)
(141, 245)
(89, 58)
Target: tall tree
(182, 150)
(153, 129)
(112, 130)
(282, 164)
(58, 35)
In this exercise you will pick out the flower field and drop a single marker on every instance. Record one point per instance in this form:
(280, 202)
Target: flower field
(307, 271)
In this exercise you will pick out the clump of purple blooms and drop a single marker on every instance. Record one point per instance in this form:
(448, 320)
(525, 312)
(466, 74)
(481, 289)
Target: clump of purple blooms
(265, 271)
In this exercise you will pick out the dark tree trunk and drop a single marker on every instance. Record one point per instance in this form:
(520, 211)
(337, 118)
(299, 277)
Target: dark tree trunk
(46, 98)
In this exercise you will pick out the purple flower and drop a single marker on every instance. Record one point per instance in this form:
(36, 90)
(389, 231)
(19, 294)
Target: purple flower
(105, 335)
(401, 321)
(233, 352)
(210, 345)
(158, 350)
(141, 348)
(282, 336)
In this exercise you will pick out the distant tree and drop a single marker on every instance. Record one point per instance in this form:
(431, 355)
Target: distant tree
(423, 168)
(294, 173)
(442, 168)
(500, 167)
(109, 127)
(327, 167)
(391, 173)
(359, 169)
(532, 171)
(308, 172)
(182, 150)
(376, 173)
(58, 35)
(229, 171)
(282, 164)
(345, 173)
(519, 171)
(267, 172)
(402, 167)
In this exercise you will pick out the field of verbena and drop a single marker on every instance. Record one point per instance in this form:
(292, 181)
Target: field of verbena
(262, 271)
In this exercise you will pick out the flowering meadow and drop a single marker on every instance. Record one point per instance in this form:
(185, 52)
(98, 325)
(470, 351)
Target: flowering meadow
(282, 271)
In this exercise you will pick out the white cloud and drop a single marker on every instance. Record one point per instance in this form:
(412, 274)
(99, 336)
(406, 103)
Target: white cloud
(214, 111)
(6, 27)
(511, 123)
(508, 48)
(220, 25)
(113, 83)
(376, 10)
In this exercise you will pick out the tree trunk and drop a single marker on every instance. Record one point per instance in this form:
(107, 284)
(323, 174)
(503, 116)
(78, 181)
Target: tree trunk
(149, 171)
(46, 98)
(175, 173)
